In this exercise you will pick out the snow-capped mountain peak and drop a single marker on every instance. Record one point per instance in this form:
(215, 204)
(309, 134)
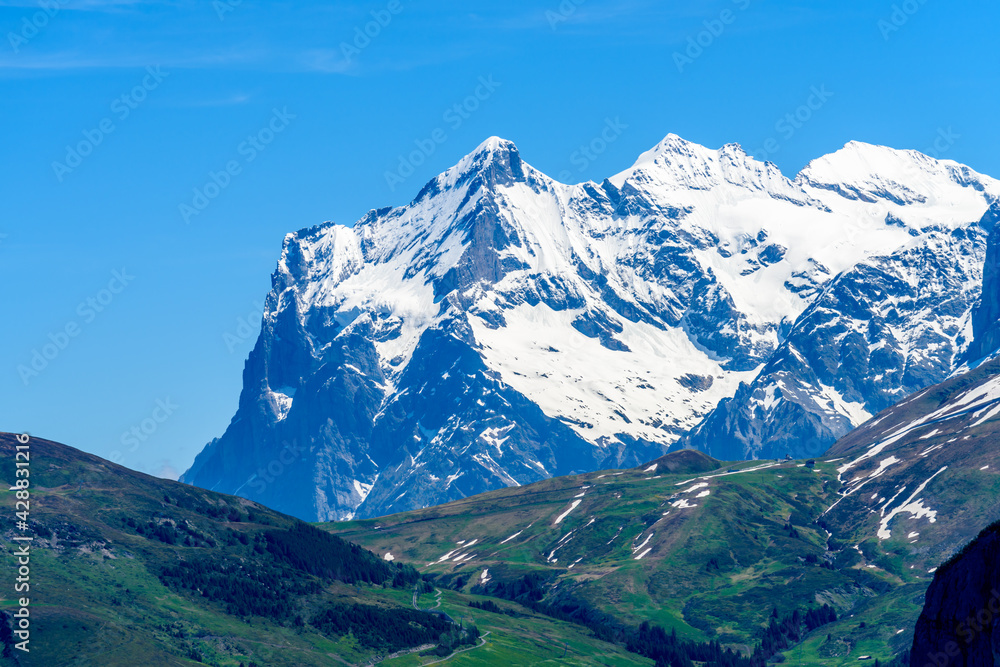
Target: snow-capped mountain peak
(503, 327)
(494, 162)
(870, 173)
(679, 171)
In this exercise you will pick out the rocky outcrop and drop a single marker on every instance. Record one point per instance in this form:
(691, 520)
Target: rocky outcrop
(890, 326)
(960, 622)
(986, 318)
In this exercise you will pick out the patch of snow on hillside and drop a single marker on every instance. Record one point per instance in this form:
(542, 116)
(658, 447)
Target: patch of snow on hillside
(645, 542)
(991, 414)
(362, 489)
(495, 437)
(512, 537)
(700, 485)
(281, 400)
(914, 507)
(854, 411)
(562, 516)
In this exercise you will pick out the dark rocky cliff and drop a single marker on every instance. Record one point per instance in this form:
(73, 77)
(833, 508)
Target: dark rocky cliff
(960, 623)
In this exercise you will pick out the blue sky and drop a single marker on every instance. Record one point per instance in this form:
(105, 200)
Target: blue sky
(176, 142)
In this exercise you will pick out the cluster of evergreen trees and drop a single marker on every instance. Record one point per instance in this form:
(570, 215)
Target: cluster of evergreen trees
(168, 530)
(455, 638)
(219, 512)
(492, 607)
(380, 628)
(252, 588)
(261, 574)
(309, 549)
(653, 641)
(789, 630)
(529, 588)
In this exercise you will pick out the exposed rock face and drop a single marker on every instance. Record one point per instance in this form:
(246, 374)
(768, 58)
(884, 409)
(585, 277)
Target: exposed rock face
(986, 317)
(503, 328)
(960, 622)
(879, 332)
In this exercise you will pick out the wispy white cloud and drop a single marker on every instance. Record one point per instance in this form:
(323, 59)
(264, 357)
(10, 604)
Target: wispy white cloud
(74, 60)
(330, 61)
(89, 5)
(235, 99)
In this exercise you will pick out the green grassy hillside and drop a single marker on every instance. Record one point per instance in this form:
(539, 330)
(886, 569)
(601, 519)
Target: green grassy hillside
(711, 555)
(131, 570)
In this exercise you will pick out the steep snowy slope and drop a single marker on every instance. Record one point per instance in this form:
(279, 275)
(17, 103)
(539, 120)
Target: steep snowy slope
(503, 328)
(886, 327)
(880, 331)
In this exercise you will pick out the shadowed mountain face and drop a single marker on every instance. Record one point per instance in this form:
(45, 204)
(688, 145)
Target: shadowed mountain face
(986, 317)
(960, 623)
(503, 328)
